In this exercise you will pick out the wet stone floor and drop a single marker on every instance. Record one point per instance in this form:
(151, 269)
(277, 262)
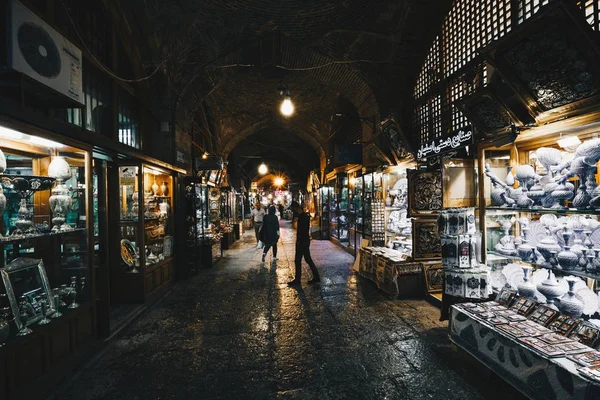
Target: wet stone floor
(237, 331)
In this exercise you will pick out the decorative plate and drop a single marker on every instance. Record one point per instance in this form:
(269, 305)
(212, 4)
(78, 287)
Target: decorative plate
(589, 299)
(537, 232)
(214, 194)
(213, 205)
(127, 252)
(513, 274)
(498, 280)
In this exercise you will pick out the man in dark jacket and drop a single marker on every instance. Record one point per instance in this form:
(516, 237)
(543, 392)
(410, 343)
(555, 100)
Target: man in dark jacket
(303, 246)
(269, 234)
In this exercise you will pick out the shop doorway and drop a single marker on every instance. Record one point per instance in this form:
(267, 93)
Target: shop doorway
(101, 265)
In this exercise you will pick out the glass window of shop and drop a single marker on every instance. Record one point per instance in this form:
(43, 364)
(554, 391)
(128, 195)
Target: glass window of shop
(128, 122)
(147, 199)
(44, 239)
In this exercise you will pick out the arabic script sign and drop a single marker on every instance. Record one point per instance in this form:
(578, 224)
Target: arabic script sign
(460, 138)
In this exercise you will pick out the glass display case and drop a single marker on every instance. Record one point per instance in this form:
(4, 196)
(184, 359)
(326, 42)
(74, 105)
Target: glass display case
(146, 226)
(542, 222)
(44, 236)
(398, 226)
(203, 241)
(324, 198)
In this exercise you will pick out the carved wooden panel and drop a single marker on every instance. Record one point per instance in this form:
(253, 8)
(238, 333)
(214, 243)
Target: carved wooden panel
(552, 67)
(487, 112)
(434, 277)
(551, 62)
(398, 144)
(424, 192)
(426, 239)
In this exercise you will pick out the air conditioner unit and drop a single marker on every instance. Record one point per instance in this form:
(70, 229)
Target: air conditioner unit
(41, 53)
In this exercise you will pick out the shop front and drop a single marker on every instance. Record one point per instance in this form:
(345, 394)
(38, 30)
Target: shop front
(47, 308)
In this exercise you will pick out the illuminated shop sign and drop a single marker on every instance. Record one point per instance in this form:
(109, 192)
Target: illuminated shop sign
(459, 138)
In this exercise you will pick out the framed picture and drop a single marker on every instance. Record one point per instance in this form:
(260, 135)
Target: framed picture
(426, 239)
(26, 283)
(168, 246)
(434, 276)
(424, 193)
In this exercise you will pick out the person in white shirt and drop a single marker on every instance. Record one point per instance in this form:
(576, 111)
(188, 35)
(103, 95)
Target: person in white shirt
(257, 215)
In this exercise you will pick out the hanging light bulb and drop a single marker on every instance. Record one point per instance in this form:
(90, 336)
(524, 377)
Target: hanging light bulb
(205, 155)
(279, 181)
(287, 107)
(262, 169)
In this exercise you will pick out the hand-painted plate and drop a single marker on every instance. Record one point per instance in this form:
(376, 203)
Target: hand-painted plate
(127, 252)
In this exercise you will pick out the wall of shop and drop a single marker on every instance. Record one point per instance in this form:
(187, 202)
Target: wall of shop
(118, 108)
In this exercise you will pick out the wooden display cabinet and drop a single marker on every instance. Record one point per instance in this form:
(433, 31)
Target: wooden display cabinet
(30, 364)
(146, 226)
(506, 228)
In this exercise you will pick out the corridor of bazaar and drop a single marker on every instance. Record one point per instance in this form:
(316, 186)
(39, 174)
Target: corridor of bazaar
(351, 199)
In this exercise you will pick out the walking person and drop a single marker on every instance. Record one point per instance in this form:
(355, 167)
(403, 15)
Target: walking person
(303, 247)
(257, 216)
(269, 234)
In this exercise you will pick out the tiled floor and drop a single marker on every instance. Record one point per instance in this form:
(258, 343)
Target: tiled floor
(237, 331)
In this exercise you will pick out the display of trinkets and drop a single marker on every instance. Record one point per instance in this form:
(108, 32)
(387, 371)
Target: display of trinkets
(542, 347)
(457, 228)
(506, 296)
(523, 305)
(543, 315)
(572, 347)
(378, 222)
(563, 324)
(511, 316)
(553, 338)
(586, 333)
(586, 359)
(513, 330)
(591, 372)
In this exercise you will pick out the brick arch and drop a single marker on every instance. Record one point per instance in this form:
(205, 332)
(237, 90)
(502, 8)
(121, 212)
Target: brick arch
(234, 141)
(342, 78)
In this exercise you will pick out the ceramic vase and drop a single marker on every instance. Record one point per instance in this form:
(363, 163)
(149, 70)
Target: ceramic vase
(569, 303)
(24, 223)
(526, 288)
(60, 201)
(2, 162)
(567, 260)
(551, 289)
(164, 188)
(579, 249)
(546, 246)
(537, 194)
(561, 194)
(510, 179)
(155, 188)
(548, 201)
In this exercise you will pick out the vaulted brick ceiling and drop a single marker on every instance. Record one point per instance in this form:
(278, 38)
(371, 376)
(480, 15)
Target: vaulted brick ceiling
(225, 59)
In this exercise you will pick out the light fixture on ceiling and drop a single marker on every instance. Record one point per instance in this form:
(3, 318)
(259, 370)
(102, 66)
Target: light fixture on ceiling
(12, 134)
(287, 107)
(262, 169)
(568, 142)
(279, 181)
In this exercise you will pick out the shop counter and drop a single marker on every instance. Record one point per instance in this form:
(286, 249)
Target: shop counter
(535, 376)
